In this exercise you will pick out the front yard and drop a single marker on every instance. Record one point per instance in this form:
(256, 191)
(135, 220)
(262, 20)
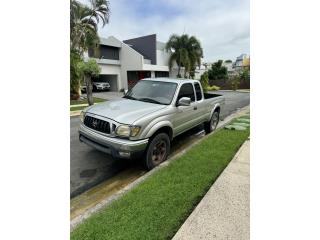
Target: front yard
(157, 207)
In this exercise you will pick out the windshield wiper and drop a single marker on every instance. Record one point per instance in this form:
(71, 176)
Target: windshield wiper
(129, 97)
(149, 100)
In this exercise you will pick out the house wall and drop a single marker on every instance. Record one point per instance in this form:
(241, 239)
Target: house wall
(110, 69)
(174, 71)
(145, 45)
(131, 60)
(198, 73)
(150, 67)
(162, 58)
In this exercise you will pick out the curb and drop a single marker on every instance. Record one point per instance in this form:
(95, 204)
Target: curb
(108, 200)
(75, 113)
(239, 90)
(79, 105)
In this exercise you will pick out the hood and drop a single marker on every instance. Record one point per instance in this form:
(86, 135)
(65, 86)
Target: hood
(124, 110)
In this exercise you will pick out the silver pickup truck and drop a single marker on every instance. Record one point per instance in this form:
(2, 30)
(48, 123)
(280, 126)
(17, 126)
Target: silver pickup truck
(148, 117)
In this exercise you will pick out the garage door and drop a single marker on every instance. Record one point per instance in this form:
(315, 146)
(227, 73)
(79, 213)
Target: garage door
(111, 79)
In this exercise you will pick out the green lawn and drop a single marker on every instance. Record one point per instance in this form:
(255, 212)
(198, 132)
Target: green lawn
(76, 102)
(158, 207)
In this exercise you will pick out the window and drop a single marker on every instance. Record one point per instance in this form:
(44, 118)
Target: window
(159, 74)
(104, 52)
(198, 91)
(186, 90)
(153, 92)
(109, 52)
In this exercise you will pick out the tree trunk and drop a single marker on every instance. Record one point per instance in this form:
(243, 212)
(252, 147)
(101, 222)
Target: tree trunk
(79, 89)
(89, 90)
(179, 69)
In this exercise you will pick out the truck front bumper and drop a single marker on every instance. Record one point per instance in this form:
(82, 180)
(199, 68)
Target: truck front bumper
(119, 148)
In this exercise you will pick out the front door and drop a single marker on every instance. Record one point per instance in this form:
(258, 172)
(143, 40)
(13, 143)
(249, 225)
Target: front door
(184, 117)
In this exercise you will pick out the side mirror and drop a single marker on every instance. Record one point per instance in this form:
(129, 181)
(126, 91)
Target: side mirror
(184, 101)
(125, 92)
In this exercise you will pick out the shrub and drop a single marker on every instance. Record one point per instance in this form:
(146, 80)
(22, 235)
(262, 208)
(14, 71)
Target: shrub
(245, 75)
(213, 88)
(90, 68)
(217, 71)
(204, 80)
(235, 81)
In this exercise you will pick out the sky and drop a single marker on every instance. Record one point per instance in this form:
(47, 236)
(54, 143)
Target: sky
(222, 26)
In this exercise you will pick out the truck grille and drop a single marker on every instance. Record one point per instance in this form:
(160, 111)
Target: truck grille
(97, 124)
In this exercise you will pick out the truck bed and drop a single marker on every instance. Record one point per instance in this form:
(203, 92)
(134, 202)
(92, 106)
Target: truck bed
(211, 95)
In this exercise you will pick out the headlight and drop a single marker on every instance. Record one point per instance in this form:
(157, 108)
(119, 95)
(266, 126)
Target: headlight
(135, 131)
(127, 131)
(82, 116)
(123, 130)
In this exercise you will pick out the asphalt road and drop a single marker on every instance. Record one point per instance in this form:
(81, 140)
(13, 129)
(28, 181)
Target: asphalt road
(89, 167)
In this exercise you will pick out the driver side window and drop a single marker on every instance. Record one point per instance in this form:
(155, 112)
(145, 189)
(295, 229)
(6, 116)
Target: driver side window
(186, 90)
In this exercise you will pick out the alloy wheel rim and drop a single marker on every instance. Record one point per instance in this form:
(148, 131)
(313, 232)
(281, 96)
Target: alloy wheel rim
(214, 121)
(159, 152)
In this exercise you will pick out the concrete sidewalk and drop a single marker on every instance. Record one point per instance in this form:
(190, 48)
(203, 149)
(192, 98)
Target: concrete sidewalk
(224, 212)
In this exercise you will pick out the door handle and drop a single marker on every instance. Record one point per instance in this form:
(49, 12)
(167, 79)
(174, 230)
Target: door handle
(195, 108)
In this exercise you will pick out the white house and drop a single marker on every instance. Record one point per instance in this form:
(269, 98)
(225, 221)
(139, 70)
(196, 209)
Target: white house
(241, 62)
(123, 63)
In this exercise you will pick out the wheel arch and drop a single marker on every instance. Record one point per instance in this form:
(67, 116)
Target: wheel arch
(164, 127)
(216, 107)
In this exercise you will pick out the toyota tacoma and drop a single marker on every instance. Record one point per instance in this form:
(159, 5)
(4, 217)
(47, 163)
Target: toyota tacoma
(144, 122)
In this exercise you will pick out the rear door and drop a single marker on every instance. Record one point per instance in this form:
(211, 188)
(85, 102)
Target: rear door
(184, 118)
(201, 109)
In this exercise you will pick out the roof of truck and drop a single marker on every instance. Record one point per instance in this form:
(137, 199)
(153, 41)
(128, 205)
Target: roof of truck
(173, 80)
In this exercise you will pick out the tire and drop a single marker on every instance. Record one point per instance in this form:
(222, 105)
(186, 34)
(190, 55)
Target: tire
(157, 150)
(213, 123)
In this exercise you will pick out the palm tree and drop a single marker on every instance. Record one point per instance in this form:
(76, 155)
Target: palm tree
(84, 21)
(185, 51)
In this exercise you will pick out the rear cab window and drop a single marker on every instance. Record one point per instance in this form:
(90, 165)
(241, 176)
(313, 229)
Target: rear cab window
(198, 91)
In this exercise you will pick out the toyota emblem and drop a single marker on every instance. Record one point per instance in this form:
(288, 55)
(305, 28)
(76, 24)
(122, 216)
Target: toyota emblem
(94, 124)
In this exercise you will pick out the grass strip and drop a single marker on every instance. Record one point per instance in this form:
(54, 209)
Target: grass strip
(83, 101)
(158, 207)
(77, 108)
(76, 102)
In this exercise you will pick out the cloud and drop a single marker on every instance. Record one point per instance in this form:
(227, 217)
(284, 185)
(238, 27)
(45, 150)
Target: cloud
(223, 26)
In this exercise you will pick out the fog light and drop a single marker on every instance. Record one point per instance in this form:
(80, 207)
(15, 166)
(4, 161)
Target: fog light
(124, 154)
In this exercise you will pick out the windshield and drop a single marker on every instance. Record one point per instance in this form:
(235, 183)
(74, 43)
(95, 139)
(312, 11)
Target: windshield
(152, 91)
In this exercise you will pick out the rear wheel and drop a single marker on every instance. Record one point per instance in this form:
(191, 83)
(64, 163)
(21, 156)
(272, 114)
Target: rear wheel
(157, 151)
(213, 123)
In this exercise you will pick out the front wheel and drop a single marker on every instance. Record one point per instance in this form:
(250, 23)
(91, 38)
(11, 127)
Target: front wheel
(157, 151)
(213, 123)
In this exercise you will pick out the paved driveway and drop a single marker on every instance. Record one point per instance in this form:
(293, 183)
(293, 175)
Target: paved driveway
(90, 167)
